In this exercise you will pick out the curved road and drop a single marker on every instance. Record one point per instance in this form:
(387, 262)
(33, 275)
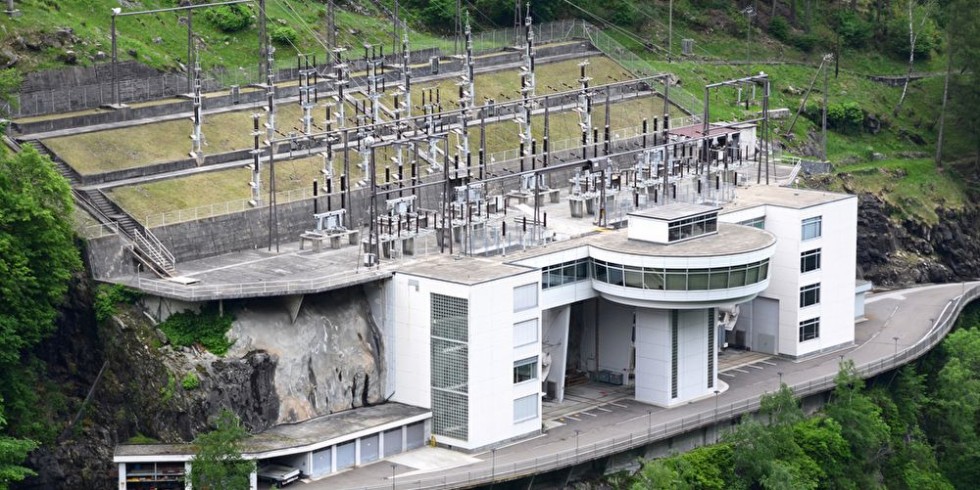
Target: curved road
(901, 326)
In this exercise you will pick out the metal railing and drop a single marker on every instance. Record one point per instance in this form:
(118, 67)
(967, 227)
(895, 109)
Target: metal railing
(641, 68)
(705, 418)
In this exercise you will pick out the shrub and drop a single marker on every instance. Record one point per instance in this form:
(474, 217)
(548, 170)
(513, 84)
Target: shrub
(844, 117)
(229, 18)
(190, 381)
(854, 31)
(283, 35)
(779, 29)
(206, 328)
(806, 42)
(108, 296)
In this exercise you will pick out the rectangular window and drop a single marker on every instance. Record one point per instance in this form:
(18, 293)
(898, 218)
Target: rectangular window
(525, 333)
(526, 408)
(525, 370)
(759, 222)
(525, 297)
(809, 329)
(564, 273)
(810, 260)
(812, 228)
(712, 316)
(809, 295)
(673, 353)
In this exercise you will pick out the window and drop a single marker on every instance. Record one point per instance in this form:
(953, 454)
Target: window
(810, 260)
(809, 295)
(812, 228)
(564, 273)
(525, 333)
(692, 227)
(809, 329)
(680, 279)
(526, 408)
(525, 297)
(759, 222)
(525, 370)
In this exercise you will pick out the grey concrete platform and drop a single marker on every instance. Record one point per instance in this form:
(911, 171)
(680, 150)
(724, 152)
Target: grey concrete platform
(302, 436)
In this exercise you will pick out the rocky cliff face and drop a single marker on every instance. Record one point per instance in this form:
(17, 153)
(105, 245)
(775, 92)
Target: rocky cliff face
(894, 253)
(327, 360)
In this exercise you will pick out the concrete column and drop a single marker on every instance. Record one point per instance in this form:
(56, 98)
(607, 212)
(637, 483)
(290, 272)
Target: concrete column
(122, 476)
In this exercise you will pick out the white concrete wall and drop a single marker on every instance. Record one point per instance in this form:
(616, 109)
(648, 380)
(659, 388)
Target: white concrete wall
(836, 276)
(692, 354)
(615, 332)
(646, 229)
(653, 356)
(554, 330)
(492, 355)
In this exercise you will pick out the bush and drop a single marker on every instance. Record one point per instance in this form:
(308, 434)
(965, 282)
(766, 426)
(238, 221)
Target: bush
(229, 18)
(190, 381)
(107, 296)
(845, 117)
(806, 42)
(854, 31)
(283, 35)
(206, 328)
(779, 29)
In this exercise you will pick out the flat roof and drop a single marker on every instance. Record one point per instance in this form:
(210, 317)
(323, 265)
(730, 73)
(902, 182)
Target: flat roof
(463, 270)
(786, 197)
(697, 130)
(674, 211)
(730, 240)
(327, 429)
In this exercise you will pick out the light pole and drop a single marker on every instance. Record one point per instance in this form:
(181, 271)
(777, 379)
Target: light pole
(670, 30)
(716, 414)
(577, 432)
(780, 373)
(749, 13)
(115, 78)
(896, 345)
(393, 476)
(493, 464)
(649, 422)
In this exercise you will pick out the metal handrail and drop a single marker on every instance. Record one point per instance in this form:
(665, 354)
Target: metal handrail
(704, 418)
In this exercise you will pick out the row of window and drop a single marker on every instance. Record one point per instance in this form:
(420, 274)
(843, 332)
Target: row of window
(564, 273)
(692, 227)
(680, 279)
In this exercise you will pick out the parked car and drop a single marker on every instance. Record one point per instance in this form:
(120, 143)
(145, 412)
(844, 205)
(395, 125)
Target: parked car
(278, 474)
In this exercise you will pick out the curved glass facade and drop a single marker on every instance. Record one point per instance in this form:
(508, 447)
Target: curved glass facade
(680, 279)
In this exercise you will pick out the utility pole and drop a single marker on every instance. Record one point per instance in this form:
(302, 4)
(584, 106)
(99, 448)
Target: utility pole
(115, 60)
(263, 43)
(670, 30)
(824, 122)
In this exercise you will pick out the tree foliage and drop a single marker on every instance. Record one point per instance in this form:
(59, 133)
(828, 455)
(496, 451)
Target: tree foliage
(37, 259)
(217, 462)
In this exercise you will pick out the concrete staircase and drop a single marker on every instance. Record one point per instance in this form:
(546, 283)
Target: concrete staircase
(146, 247)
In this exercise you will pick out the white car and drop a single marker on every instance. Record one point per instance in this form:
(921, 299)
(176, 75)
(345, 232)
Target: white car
(279, 474)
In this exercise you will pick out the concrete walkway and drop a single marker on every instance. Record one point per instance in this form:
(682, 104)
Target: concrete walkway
(900, 327)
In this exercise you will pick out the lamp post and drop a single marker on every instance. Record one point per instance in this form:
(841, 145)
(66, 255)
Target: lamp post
(393, 476)
(749, 13)
(896, 345)
(716, 414)
(649, 422)
(115, 78)
(780, 373)
(577, 432)
(493, 464)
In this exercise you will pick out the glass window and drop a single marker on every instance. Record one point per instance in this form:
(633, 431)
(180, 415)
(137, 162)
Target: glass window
(615, 275)
(634, 277)
(759, 223)
(697, 279)
(810, 260)
(525, 370)
(809, 295)
(677, 282)
(810, 329)
(526, 332)
(525, 297)
(737, 277)
(692, 227)
(812, 228)
(653, 279)
(526, 408)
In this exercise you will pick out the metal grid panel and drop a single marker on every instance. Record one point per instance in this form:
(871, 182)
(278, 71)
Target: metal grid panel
(450, 366)
(712, 316)
(450, 414)
(450, 317)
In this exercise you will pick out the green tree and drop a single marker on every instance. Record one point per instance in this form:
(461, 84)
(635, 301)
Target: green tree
(217, 462)
(13, 452)
(861, 425)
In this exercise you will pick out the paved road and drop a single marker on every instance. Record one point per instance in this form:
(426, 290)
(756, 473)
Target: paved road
(897, 322)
